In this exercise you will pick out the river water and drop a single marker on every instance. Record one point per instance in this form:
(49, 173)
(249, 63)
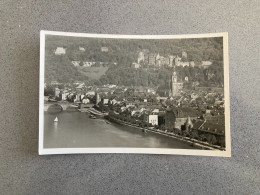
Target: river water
(77, 130)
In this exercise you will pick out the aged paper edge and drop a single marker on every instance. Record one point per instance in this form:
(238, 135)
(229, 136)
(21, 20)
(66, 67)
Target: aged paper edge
(45, 151)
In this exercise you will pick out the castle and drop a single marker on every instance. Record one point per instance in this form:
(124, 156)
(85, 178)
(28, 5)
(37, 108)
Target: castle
(155, 59)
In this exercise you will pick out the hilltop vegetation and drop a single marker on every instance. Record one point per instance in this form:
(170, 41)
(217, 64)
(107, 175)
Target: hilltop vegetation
(124, 52)
(161, 77)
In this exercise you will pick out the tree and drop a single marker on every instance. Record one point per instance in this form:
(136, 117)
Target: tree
(49, 90)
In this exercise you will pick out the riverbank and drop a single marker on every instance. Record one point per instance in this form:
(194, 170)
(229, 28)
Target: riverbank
(193, 142)
(78, 130)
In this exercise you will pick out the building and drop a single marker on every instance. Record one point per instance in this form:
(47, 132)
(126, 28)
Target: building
(177, 117)
(143, 56)
(175, 85)
(186, 79)
(183, 64)
(151, 118)
(91, 93)
(88, 64)
(114, 101)
(104, 49)
(105, 101)
(210, 132)
(177, 61)
(77, 98)
(184, 55)
(63, 96)
(140, 57)
(192, 63)
(152, 58)
(206, 64)
(85, 100)
(161, 60)
(60, 51)
(217, 119)
(166, 61)
(135, 65)
(82, 49)
(171, 60)
(155, 111)
(57, 92)
(194, 96)
(76, 63)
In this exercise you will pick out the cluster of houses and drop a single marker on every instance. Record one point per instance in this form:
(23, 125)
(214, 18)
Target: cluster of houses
(145, 58)
(59, 51)
(200, 110)
(193, 112)
(91, 63)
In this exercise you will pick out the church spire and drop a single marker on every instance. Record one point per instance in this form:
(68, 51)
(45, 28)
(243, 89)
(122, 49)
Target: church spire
(188, 123)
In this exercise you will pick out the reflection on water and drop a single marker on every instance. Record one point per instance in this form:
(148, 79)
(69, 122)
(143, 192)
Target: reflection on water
(55, 126)
(76, 129)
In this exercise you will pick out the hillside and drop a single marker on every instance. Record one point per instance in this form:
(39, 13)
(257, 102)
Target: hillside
(124, 52)
(92, 72)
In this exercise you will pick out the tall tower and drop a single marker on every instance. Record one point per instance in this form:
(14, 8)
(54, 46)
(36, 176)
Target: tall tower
(188, 124)
(174, 87)
(98, 99)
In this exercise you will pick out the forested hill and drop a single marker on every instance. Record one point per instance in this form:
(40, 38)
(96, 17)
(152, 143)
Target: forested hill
(122, 51)
(198, 49)
(161, 77)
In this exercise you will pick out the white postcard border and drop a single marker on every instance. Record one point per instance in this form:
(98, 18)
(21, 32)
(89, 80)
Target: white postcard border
(226, 153)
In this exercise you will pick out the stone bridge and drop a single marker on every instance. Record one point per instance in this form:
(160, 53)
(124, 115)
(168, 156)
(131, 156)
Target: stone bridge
(62, 105)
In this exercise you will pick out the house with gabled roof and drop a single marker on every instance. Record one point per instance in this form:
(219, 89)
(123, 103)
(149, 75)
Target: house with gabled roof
(177, 116)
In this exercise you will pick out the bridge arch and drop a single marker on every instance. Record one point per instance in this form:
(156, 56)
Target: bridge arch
(59, 106)
(54, 108)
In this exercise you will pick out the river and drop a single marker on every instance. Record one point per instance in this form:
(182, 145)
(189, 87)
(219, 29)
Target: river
(77, 130)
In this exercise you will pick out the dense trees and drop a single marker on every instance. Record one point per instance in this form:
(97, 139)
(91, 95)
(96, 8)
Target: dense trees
(124, 52)
(49, 90)
(161, 77)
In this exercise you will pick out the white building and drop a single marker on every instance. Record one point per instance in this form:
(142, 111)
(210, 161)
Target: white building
(155, 111)
(60, 51)
(77, 98)
(91, 93)
(135, 65)
(57, 92)
(88, 64)
(105, 101)
(63, 96)
(114, 101)
(206, 64)
(104, 49)
(82, 49)
(75, 63)
(192, 63)
(183, 64)
(151, 118)
(85, 101)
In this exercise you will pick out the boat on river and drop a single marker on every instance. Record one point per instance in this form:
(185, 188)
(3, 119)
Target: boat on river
(56, 119)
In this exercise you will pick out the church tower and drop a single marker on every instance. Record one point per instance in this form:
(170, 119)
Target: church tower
(188, 124)
(174, 84)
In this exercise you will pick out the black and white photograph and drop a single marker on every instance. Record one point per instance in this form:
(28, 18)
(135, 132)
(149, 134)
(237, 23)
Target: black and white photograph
(151, 94)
